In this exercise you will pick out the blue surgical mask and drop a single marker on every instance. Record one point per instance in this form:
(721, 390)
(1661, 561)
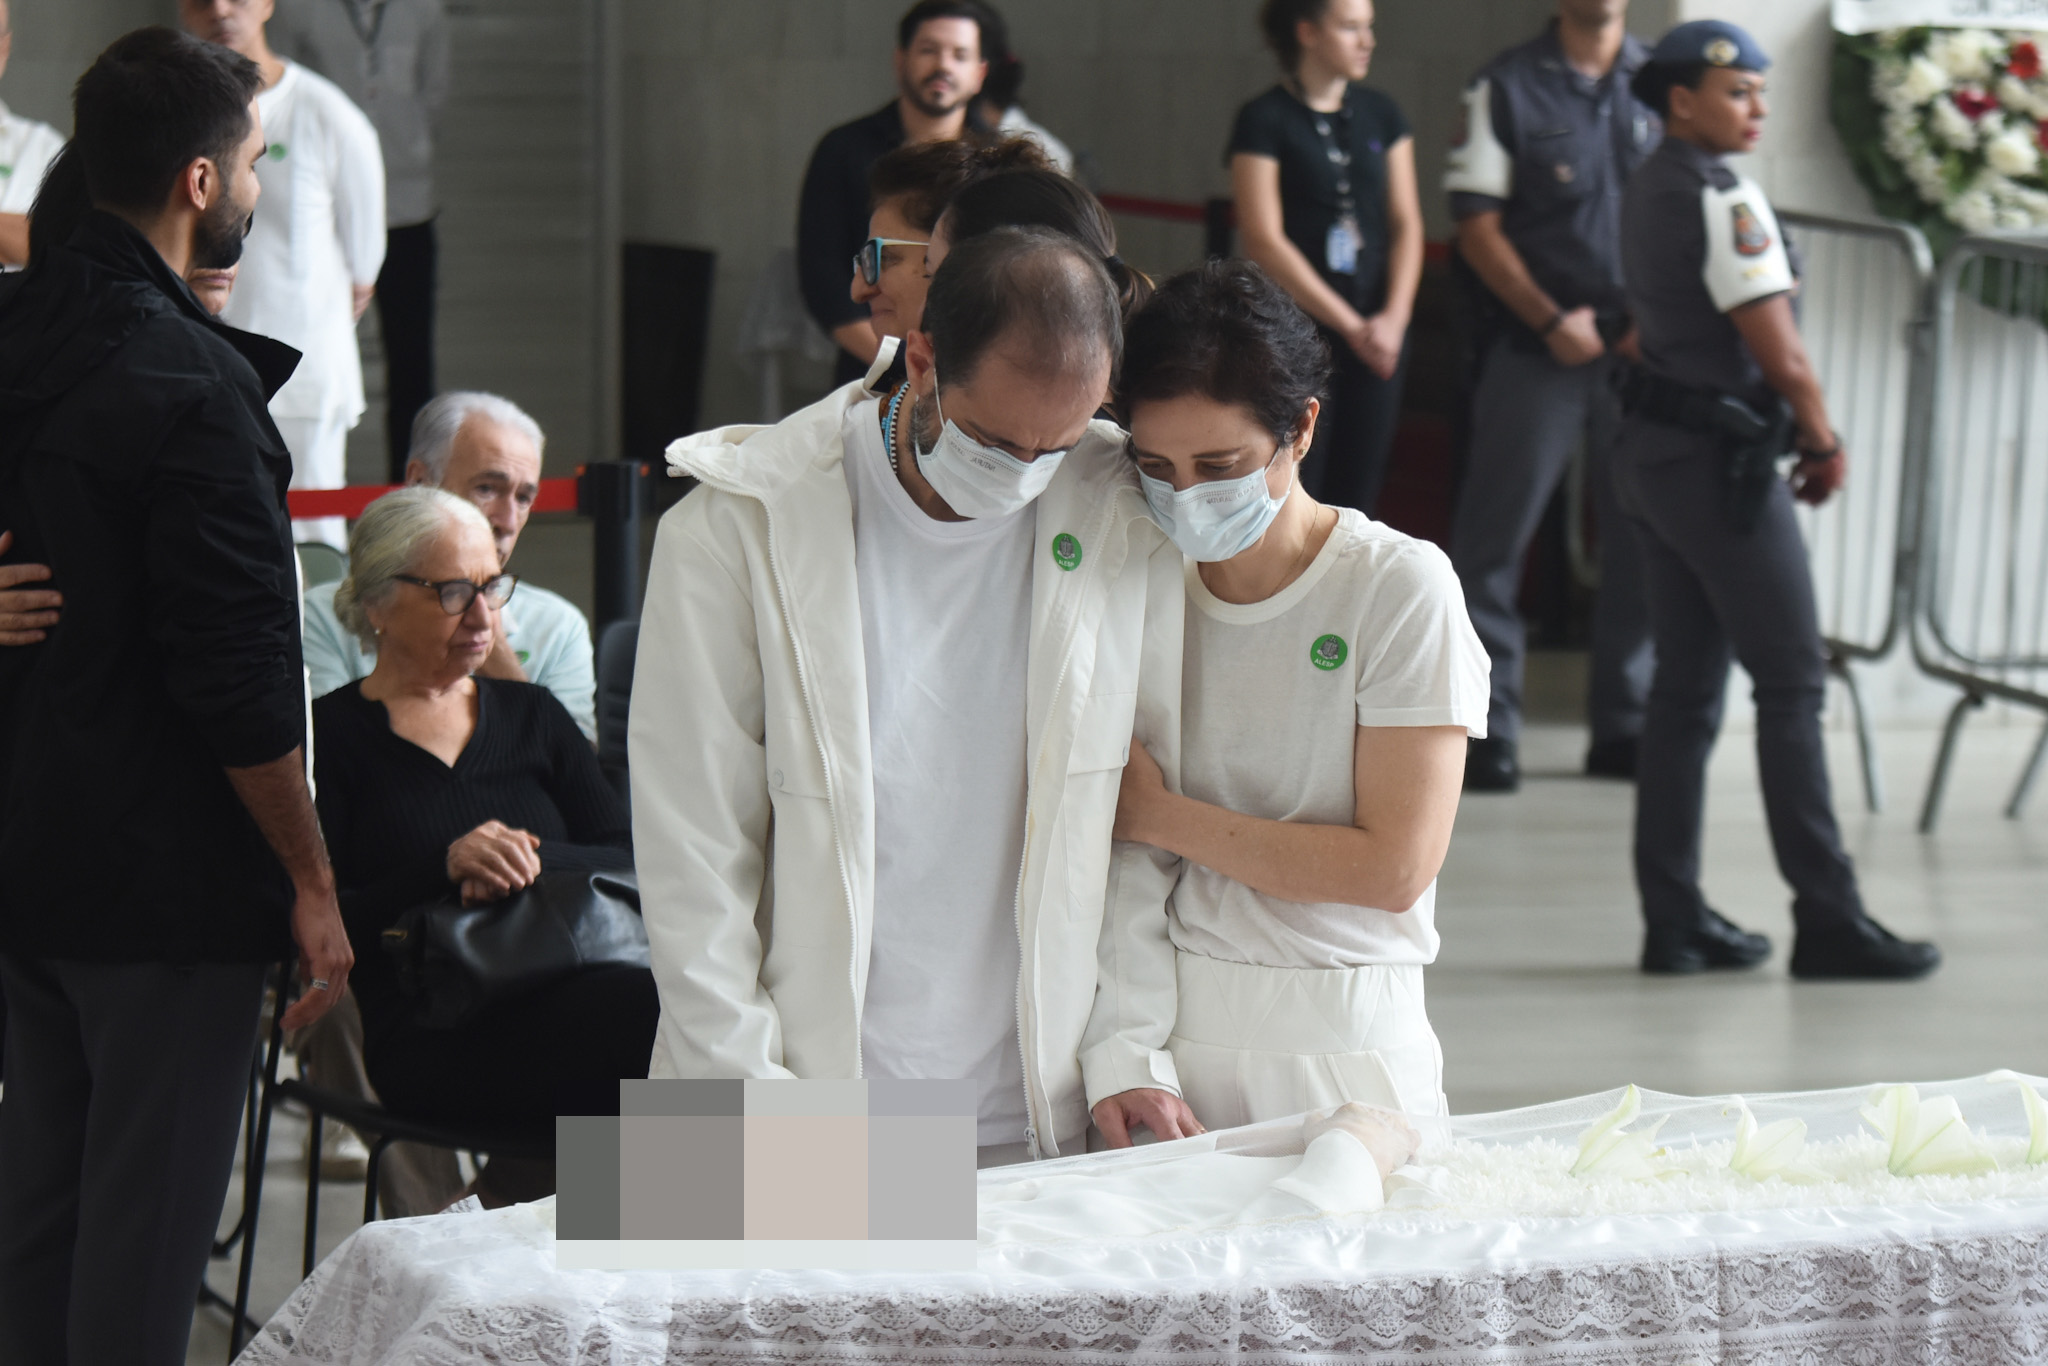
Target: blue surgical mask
(1219, 520)
(980, 481)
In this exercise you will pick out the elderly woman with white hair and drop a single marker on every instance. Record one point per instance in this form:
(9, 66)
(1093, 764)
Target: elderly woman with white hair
(434, 780)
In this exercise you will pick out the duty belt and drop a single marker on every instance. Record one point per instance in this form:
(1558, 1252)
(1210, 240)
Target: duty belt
(1751, 442)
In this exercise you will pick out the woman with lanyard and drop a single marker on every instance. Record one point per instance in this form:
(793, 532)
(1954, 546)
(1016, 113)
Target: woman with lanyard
(1323, 171)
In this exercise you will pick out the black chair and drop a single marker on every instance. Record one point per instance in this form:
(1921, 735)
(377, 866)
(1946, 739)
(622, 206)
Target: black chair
(617, 647)
(535, 1140)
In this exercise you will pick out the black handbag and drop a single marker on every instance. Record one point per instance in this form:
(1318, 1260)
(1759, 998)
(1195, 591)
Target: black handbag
(455, 961)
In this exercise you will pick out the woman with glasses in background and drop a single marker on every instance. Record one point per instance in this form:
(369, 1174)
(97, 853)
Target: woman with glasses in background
(435, 782)
(909, 188)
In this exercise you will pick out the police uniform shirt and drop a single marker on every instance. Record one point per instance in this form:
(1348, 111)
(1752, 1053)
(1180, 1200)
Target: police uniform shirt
(1279, 125)
(1697, 242)
(1551, 149)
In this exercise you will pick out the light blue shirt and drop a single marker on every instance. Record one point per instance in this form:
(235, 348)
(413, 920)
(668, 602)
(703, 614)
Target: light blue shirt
(546, 632)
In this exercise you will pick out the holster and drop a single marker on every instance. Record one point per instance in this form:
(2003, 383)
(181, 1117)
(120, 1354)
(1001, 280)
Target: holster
(1750, 442)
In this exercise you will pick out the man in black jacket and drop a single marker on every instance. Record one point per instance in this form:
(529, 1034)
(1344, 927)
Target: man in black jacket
(940, 64)
(157, 837)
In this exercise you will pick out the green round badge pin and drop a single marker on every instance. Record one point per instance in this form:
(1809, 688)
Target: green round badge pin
(277, 152)
(1328, 652)
(1066, 550)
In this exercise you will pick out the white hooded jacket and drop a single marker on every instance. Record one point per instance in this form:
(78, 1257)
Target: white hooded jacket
(753, 798)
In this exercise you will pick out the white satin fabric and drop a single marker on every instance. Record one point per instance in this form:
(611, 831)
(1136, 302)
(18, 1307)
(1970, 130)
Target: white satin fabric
(1888, 1269)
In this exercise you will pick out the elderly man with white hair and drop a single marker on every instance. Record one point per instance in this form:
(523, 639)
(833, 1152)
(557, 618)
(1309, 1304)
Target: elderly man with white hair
(484, 448)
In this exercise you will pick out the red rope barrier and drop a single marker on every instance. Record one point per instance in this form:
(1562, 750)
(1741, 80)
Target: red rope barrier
(1172, 210)
(556, 495)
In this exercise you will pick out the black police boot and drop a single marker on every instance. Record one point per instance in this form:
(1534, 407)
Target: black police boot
(1862, 949)
(1714, 943)
(1492, 766)
(1612, 759)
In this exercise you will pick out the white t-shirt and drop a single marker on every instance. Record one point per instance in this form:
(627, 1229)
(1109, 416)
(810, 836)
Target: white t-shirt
(945, 614)
(319, 231)
(1373, 633)
(546, 632)
(26, 150)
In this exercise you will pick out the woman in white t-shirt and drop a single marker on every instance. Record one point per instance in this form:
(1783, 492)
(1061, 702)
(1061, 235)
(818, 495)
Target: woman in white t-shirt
(1330, 679)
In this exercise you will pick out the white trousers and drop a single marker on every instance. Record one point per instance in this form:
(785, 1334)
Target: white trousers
(319, 447)
(1255, 1043)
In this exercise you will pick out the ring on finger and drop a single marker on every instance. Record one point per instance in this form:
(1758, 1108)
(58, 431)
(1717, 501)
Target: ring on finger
(322, 984)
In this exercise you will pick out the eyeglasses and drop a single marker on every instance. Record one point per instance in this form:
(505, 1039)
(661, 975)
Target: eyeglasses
(457, 594)
(867, 262)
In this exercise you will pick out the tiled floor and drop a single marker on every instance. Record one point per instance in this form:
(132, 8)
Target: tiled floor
(1536, 997)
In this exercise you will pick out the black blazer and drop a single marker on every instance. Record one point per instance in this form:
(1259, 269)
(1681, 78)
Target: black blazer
(139, 461)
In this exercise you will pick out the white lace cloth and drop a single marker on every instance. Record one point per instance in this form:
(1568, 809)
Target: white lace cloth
(1921, 1269)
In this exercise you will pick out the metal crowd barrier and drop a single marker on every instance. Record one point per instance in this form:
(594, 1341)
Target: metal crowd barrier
(1982, 589)
(1866, 305)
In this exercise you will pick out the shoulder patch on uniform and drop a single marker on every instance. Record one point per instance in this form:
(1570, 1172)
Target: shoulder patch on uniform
(1750, 236)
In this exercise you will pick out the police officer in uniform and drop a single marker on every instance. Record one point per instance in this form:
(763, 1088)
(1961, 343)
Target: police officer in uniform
(1725, 391)
(1551, 137)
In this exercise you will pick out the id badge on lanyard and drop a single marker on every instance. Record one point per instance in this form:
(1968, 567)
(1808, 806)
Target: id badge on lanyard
(1345, 240)
(1341, 248)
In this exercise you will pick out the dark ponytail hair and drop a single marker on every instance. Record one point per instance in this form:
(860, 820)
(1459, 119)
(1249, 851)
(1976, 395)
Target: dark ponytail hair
(1046, 199)
(1225, 331)
(61, 204)
(1279, 20)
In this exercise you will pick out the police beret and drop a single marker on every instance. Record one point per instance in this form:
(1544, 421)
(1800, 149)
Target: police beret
(1712, 41)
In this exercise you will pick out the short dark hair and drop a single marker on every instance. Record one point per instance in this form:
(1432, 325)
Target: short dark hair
(1045, 199)
(154, 102)
(924, 11)
(1279, 20)
(922, 177)
(1653, 82)
(1029, 285)
(1225, 331)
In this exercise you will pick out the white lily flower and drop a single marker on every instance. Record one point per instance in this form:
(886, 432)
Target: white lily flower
(2013, 152)
(1927, 1138)
(1769, 1151)
(1604, 1150)
(2037, 1124)
(1923, 80)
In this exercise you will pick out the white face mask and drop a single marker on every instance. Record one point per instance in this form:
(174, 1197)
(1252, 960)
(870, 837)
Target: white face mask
(1219, 520)
(980, 481)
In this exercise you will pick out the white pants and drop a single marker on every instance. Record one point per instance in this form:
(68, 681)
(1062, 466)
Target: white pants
(319, 447)
(1255, 1043)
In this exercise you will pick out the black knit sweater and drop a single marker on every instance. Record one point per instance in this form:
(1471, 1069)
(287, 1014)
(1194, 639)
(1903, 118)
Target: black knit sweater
(390, 810)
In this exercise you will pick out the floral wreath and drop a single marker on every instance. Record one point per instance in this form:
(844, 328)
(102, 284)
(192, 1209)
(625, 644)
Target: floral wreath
(1947, 127)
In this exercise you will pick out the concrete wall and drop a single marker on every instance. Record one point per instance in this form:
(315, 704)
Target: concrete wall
(55, 40)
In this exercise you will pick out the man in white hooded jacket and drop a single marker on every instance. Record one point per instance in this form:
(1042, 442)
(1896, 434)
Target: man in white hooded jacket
(890, 665)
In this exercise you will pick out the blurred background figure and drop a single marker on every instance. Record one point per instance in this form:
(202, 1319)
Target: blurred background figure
(391, 58)
(26, 150)
(911, 186)
(996, 110)
(1323, 171)
(939, 68)
(1550, 137)
(313, 252)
